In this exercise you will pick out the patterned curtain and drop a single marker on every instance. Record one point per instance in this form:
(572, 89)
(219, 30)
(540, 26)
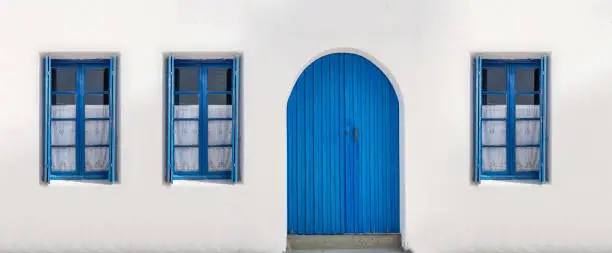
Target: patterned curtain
(219, 133)
(527, 133)
(64, 133)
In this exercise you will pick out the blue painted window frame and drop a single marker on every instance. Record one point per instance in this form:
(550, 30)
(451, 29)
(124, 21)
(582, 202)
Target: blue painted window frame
(510, 65)
(79, 65)
(203, 64)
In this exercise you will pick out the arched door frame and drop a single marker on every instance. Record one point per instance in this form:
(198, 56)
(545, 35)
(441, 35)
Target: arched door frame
(402, 131)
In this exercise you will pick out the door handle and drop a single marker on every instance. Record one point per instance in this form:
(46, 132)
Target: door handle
(355, 133)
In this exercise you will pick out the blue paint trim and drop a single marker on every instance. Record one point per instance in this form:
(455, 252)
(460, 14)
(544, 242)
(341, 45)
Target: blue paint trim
(213, 62)
(203, 135)
(543, 118)
(220, 93)
(79, 65)
(170, 120)
(99, 92)
(47, 121)
(186, 146)
(221, 146)
(235, 176)
(90, 62)
(478, 120)
(63, 146)
(186, 93)
(510, 124)
(186, 119)
(510, 173)
(63, 92)
(534, 62)
(80, 123)
(113, 120)
(203, 66)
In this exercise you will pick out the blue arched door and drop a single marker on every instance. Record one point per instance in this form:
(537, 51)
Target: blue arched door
(342, 149)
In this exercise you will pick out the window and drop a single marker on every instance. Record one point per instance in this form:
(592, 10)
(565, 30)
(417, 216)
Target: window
(203, 111)
(510, 119)
(79, 117)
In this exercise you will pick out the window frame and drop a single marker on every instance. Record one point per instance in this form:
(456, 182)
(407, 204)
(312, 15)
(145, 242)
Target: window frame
(203, 65)
(510, 65)
(79, 92)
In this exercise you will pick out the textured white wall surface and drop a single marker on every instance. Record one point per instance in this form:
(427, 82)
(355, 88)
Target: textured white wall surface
(425, 47)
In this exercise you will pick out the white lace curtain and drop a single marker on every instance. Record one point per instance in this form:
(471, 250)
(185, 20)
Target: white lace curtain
(494, 133)
(64, 133)
(219, 133)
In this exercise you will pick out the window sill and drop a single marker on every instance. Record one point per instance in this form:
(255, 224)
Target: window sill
(78, 183)
(511, 183)
(202, 183)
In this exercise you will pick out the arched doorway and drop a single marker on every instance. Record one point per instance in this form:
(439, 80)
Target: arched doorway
(342, 149)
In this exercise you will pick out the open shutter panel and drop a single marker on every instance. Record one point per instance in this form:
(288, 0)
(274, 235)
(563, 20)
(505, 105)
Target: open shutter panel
(235, 177)
(170, 121)
(113, 122)
(47, 120)
(543, 120)
(477, 119)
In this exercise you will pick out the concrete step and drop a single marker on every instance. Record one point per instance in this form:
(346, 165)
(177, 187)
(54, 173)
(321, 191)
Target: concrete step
(388, 242)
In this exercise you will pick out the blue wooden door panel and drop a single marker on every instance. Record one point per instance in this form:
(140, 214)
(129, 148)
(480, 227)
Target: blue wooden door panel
(342, 149)
(373, 114)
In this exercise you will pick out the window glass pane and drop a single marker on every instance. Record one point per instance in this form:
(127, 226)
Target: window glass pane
(96, 159)
(186, 132)
(494, 159)
(527, 132)
(63, 132)
(527, 159)
(219, 159)
(186, 79)
(219, 79)
(219, 132)
(527, 79)
(528, 99)
(192, 99)
(63, 159)
(96, 132)
(96, 111)
(494, 106)
(219, 99)
(186, 159)
(96, 79)
(494, 133)
(63, 99)
(494, 79)
(497, 99)
(527, 111)
(63, 106)
(63, 79)
(98, 99)
(219, 106)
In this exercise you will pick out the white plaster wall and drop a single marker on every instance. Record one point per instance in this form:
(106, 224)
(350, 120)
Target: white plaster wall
(424, 44)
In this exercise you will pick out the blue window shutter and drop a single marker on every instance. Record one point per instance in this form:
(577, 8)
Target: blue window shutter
(235, 177)
(47, 128)
(543, 119)
(170, 121)
(113, 120)
(477, 119)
